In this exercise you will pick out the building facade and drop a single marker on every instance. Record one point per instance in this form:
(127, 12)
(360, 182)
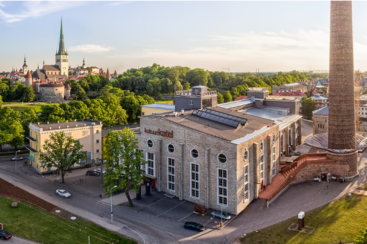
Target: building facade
(87, 132)
(219, 156)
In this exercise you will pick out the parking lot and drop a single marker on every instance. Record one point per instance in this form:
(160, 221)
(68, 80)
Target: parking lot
(167, 207)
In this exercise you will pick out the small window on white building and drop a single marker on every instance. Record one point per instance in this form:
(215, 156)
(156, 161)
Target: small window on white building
(245, 183)
(194, 153)
(245, 156)
(222, 158)
(150, 143)
(171, 174)
(195, 190)
(222, 187)
(171, 148)
(261, 168)
(150, 166)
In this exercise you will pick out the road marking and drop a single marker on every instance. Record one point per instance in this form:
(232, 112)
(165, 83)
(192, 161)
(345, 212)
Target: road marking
(185, 217)
(171, 208)
(102, 203)
(155, 202)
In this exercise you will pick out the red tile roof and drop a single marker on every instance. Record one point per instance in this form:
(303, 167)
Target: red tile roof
(240, 98)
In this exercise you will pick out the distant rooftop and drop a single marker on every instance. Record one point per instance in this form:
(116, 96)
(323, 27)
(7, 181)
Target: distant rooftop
(160, 106)
(66, 125)
(322, 111)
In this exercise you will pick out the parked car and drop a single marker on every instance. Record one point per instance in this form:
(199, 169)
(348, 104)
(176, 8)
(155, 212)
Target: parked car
(221, 215)
(63, 193)
(17, 158)
(98, 170)
(4, 235)
(92, 173)
(194, 226)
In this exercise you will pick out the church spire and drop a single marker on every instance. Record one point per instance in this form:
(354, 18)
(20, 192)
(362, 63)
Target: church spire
(61, 41)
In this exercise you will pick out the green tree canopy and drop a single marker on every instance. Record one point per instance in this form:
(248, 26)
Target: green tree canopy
(61, 152)
(227, 96)
(124, 161)
(308, 105)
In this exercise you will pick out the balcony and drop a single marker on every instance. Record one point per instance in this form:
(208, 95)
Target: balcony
(31, 149)
(31, 138)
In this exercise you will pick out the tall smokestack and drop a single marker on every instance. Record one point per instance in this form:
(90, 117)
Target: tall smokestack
(341, 127)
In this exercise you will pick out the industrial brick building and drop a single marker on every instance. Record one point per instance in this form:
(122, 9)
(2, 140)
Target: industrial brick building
(219, 156)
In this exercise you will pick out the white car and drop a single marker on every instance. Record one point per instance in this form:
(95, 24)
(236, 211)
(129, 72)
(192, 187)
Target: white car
(63, 193)
(99, 171)
(16, 158)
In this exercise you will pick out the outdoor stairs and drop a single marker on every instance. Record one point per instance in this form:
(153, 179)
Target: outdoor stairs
(288, 173)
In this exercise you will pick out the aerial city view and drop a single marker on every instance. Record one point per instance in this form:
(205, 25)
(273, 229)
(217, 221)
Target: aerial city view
(183, 122)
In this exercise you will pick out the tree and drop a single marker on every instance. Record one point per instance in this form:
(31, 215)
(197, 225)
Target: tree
(362, 238)
(132, 107)
(149, 99)
(220, 98)
(124, 162)
(177, 86)
(308, 105)
(197, 77)
(70, 72)
(52, 113)
(227, 96)
(27, 94)
(11, 129)
(29, 115)
(186, 86)
(61, 152)
(1, 101)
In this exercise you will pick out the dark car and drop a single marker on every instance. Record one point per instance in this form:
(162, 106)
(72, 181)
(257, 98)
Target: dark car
(4, 235)
(93, 173)
(194, 226)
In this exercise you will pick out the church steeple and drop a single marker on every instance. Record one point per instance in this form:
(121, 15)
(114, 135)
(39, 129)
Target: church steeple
(61, 41)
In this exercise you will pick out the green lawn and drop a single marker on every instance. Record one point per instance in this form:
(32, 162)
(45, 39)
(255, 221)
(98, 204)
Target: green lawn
(165, 102)
(18, 106)
(338, 220)
(32, 223)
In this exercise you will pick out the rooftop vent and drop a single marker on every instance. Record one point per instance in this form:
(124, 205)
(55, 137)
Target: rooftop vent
(67, 121)
(58, 121)
(59, 127)
(182, 112)
(76, 125)
(47, 122)
(50, 128)
(67, 126)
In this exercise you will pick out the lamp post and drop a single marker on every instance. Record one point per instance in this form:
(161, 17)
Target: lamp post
(16, 159)
(111, 204)
(221, 215)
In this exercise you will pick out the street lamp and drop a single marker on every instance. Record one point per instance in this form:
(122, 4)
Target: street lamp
(111, 205)
(16, 159)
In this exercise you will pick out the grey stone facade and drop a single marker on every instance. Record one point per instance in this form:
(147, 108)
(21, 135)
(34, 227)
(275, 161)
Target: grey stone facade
(259, 147)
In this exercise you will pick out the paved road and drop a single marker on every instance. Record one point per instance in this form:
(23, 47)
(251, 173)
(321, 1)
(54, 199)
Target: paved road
(17, 240)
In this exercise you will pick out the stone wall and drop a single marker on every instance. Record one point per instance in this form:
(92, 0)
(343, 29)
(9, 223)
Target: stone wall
(350, 160)
(315, 169)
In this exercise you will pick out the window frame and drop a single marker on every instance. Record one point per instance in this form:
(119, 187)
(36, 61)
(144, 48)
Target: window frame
(147, 166)
(169, 173)
(246, 177)
(222, 187)
(197, 181)
(224, 156)
(149, 140)
(168, 148)
(196, 151)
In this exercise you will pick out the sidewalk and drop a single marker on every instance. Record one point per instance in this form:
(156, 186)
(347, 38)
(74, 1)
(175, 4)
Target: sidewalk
(73, 173)
(116, 227)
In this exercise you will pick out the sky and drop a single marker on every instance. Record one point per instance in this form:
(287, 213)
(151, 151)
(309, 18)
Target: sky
(217, 36)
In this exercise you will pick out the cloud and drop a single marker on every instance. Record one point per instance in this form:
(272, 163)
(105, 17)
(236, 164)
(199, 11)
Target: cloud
(35, 9)
(89, 48)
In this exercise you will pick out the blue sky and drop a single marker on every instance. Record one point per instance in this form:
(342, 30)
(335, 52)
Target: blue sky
(242, 36)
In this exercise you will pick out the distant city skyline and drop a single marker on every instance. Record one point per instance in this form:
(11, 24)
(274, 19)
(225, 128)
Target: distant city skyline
(242, 36)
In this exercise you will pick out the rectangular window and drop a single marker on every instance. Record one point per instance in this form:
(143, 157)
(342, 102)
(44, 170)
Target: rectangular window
(261, 168)
(191, 102)
(85, 132)
(245, 183)
(274, 165)
(171, 174)
(195, 190)
(150, 168)
(97, 131)
(97, 141)
(222, 187)
(97, 150)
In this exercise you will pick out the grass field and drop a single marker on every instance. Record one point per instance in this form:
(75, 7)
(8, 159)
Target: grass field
(165, 102)
(338, 220)
(32, 223)
(18, 106)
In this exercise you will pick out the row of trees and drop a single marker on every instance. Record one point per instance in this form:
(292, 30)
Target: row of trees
(16, 91)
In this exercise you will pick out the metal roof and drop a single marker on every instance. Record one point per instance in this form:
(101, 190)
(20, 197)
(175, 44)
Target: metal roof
(160, 106)
(322, 111)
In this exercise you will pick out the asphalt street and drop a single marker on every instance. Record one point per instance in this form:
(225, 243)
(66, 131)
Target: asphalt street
(146, 227)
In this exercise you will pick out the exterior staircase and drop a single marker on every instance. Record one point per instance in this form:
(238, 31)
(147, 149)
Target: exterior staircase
(287, 175)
